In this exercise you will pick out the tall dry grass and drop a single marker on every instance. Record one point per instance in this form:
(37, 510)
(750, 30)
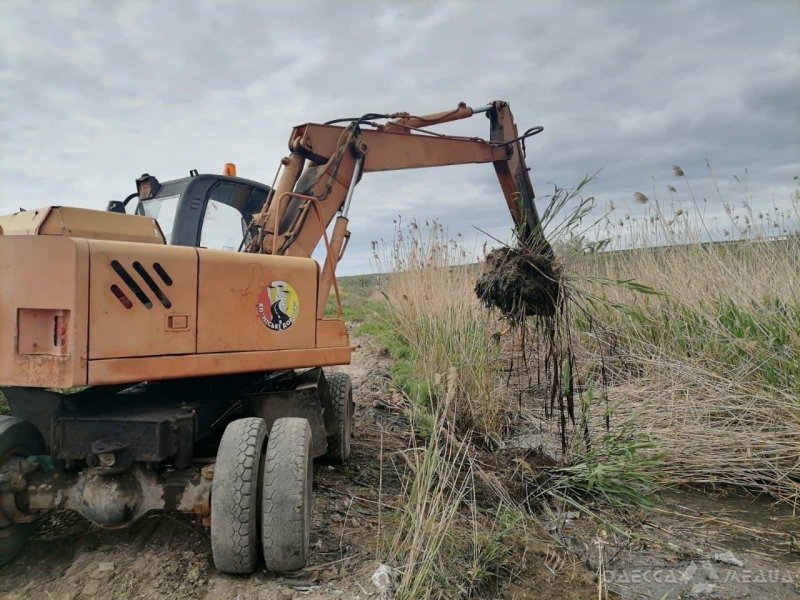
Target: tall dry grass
(699, 342)
(708, 366)
(433, 308)
(444, 544)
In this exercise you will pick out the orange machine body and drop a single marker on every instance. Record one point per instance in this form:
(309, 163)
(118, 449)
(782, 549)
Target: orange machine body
(96, 298)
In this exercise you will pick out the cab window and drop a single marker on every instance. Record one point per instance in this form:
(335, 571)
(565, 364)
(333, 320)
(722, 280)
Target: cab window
(223, 226)
(162, 210)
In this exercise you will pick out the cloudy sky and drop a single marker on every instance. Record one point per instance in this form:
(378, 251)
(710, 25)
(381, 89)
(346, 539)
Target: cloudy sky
(93, 94)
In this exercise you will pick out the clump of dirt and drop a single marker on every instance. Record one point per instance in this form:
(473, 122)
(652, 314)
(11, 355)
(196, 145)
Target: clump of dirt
(520, 283)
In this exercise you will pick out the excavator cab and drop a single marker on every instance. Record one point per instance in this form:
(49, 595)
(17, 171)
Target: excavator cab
(208, 211)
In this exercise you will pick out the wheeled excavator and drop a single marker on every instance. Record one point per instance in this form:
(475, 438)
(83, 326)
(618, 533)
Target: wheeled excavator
(149, 364)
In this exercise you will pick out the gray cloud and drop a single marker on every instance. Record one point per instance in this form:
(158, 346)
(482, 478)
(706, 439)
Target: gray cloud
(93, 94)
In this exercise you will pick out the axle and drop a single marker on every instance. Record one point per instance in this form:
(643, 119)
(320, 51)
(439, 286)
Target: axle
(110, 500)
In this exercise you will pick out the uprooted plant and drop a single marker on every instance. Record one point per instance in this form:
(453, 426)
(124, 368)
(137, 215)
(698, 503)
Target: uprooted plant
(531, 279)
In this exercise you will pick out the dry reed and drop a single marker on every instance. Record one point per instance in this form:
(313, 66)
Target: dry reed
(708, 366)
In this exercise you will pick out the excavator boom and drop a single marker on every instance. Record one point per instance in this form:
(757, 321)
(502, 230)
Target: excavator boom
(327, 161)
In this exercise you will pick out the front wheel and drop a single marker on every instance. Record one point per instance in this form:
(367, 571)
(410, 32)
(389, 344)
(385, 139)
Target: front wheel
(287, 495)
(18, 439)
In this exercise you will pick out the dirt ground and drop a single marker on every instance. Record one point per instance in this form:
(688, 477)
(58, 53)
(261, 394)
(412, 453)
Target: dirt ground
(169, 556)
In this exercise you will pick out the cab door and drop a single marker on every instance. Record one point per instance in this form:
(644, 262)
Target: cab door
(214, 212)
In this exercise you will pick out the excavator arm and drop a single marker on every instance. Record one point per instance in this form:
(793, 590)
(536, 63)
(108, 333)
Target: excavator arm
(317, 180)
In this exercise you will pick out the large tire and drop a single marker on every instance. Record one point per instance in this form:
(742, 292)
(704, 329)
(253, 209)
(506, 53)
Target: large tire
(342, 401)
(235, 495)
(287, 495)
(17, 438)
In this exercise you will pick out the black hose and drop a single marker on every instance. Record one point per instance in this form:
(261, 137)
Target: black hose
(360, 119)
(129, 198)
(529, 133)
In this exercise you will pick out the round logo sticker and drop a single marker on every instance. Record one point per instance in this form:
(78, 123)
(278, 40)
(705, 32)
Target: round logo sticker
(278, 305)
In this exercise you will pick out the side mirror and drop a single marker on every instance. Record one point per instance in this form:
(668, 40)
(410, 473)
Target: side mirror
(116, 206)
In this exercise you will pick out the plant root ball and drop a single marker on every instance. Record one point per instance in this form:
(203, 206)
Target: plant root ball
(519, 283)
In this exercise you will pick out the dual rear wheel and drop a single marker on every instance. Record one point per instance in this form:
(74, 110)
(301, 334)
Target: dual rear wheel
(261, 501)
(261, 496)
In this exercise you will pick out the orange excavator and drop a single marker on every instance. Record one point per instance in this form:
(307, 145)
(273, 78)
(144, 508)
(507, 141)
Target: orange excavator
(172, 359)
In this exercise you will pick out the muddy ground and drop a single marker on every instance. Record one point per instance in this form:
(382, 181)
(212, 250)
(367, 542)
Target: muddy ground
(692, 544)
(169, 556)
